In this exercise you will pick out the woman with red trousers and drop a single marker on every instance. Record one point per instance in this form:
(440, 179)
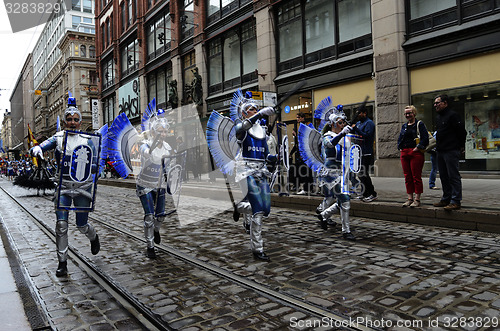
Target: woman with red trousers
(412, 141)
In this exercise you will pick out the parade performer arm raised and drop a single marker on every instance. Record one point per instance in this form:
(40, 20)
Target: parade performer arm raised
(239, 145)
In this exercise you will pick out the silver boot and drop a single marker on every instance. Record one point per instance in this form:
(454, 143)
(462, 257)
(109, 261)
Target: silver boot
(344, 216)
(158, 221)
(62, 240)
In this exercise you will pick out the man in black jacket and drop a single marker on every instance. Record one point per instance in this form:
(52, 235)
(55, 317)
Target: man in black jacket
(450, 138)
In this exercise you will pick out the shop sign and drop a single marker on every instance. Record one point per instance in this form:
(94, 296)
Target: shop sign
(128, 96)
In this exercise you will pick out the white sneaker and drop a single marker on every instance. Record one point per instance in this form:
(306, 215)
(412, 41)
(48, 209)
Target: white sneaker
(302, 192)
(370, 198)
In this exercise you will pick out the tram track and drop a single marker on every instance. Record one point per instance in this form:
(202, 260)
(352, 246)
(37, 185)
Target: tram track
(149, 319)
(135, 307)
(300, 229)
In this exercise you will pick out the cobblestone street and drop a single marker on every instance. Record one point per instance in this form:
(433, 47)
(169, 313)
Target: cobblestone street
(417, 276)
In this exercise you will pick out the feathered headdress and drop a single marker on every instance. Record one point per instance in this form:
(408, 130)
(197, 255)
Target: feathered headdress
(153, 119)
(326, 112)
(240, 105)
(71, 110)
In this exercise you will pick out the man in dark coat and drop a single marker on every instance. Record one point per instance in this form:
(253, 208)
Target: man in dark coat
(450, 139)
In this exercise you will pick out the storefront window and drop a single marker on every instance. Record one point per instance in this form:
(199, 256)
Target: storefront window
(479, 107)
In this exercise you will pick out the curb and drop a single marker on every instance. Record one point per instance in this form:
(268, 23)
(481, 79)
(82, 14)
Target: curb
(463, 219)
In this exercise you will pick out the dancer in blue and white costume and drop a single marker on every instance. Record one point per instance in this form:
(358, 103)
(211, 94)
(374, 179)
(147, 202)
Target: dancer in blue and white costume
(152, 197)
(245, 138)
(70, 190)
(330, 161)
(153, 147)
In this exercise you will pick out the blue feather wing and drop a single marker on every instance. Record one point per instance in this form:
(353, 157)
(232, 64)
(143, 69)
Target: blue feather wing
(103, 131)
(122, 136)
(222, 142)
(234, 108)
(310, 147)
(323, 111)
(148, 113)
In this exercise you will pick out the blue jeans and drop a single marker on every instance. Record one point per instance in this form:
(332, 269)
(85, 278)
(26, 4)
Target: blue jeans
(79, 201)
(434, 170)
(450, 176)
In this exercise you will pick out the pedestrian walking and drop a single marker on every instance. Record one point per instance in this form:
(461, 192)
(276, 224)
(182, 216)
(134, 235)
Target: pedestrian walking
(450, 139)
(412, 141)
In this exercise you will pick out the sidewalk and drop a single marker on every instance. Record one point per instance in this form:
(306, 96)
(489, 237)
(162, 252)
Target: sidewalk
(480, 205)
(12, 312)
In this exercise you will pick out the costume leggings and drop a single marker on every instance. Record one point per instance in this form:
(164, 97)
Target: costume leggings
(259, 195)
(80, 201)
(153, 202)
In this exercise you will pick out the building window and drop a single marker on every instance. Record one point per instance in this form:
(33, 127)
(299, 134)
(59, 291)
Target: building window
(313, 31)
(158, 35)
(75, 21)
(75, 5)
(87, 6)
(108, 74)
(123, 16)
(215, 65)
(290, 31)
(188, 63)
(232, 58)
(158, 83)
(103, 36)
(83, 51)
(426, 15)
(130, 12)
(92, 52)
(217, 9)
(108, 106)
(108, 32)
(92, 77)
(130, 58)
(187, 20)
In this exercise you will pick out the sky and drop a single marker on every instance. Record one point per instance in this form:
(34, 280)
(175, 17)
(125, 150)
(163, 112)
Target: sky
(15, 50)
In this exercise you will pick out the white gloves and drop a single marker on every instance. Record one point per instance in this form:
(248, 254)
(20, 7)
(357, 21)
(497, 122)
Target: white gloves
(346, 130)
(267, 111)
(37, 151)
